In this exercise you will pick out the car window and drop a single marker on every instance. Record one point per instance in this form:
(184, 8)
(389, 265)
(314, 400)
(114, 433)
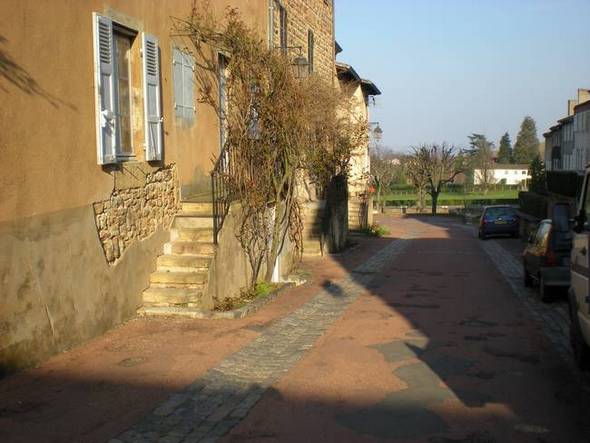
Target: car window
(542, 232)
(500, 212)
(561, 215)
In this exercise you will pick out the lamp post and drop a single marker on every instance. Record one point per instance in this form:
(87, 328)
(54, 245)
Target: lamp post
(300, 67)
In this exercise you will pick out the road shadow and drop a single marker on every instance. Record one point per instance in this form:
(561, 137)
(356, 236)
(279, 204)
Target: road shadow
(469, 367)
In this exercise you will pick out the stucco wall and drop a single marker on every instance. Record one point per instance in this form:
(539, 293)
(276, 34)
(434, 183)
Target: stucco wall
(56, 287)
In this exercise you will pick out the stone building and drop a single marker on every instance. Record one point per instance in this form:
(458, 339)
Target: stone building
(107, 205)
(567, 146)
(359, 92)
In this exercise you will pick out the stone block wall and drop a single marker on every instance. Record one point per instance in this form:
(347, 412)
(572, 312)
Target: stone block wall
(314, 15)
(134, 213)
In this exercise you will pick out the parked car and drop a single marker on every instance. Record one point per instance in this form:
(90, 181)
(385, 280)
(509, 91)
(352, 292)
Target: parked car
(546, 257)
(498, 220)
(579, 297)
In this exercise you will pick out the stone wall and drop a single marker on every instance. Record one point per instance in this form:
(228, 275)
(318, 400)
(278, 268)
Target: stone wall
(135, 210)
(314, 15)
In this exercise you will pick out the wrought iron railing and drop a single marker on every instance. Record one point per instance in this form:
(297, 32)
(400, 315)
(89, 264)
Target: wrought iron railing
(220, 188)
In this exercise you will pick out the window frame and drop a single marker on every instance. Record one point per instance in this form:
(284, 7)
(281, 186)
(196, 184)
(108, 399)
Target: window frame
(120, 155)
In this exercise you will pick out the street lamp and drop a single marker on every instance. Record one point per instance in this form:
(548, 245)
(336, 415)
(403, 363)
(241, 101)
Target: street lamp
(300, 67)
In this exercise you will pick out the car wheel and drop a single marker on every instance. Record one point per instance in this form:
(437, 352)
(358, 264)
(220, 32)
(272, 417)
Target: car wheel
(481, 235)
(528, 280)
(544, 291)
(579, 346)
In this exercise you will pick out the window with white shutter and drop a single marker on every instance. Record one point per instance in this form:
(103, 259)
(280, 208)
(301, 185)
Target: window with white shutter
(112, 60)
(104, 65)
(152, 98)
(183, 66)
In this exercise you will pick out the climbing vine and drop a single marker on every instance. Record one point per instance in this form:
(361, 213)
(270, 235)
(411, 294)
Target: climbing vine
(283, 135)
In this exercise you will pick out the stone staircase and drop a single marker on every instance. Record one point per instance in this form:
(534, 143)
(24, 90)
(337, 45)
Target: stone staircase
(180, 282)
(312, 232)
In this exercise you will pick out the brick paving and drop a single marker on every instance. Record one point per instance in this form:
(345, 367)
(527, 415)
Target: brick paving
(216, 402)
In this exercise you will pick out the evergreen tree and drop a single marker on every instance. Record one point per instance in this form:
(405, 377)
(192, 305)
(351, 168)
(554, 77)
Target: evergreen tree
(526, 147)
(505, 150)
(537, 171)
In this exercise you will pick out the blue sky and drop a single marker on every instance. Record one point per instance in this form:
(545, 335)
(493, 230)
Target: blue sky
(448, 68)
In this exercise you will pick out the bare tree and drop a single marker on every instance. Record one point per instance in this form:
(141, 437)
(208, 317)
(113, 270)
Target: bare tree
(384, 169)
(439, 164)
(417, 178)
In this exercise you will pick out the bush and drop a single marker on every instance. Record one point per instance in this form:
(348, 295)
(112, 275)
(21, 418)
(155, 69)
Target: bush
(260, 290)
(376, 230)
(457, 202)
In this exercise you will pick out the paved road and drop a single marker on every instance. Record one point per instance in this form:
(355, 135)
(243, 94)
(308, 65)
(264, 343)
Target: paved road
(432, 340)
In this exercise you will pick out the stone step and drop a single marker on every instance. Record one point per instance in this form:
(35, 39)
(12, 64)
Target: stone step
(175, 262)
(201, 208)
(189, 248)
(170, 311)
(192, 234)
(192, 220)
(176, 278)
(162, 297)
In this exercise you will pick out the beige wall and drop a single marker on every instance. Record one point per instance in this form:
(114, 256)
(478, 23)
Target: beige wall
(56, 287)
(48, 134)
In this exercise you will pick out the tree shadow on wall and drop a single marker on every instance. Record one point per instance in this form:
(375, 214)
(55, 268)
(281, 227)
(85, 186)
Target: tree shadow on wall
(12, 73)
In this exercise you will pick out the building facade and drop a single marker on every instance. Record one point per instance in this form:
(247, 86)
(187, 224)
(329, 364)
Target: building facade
(567, 147)
(508, 174)
(106, 191)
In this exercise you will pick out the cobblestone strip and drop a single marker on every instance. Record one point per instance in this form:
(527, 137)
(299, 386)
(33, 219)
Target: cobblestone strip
(220, 399)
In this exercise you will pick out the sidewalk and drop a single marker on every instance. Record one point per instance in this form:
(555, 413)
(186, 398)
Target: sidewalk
(98, 390)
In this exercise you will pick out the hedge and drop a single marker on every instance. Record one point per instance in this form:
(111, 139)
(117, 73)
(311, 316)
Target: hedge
(456, 202)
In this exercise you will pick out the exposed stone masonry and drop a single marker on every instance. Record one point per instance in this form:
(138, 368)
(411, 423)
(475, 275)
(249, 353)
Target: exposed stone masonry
(135, 213)
(314, 15)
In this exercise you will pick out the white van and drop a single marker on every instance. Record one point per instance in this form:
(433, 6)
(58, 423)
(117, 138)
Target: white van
(579, 293)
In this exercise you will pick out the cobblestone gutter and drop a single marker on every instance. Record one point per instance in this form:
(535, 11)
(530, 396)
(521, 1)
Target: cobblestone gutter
(219, 400)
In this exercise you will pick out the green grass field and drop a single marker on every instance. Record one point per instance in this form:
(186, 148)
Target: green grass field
(511, 194)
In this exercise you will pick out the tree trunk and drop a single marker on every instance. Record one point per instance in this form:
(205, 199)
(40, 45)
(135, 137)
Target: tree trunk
(421, 199)
(434, 201)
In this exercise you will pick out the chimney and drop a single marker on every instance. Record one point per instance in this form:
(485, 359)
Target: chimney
(570, 107)
(583, 95)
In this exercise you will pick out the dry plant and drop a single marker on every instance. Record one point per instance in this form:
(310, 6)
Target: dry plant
(278, 129)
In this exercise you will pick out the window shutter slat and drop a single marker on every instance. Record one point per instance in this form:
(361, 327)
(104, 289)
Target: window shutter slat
(188, 88)
(152, 104)
(105, 90)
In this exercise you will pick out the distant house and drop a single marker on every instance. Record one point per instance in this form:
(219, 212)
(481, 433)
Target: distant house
(508, 174)
(567, 144)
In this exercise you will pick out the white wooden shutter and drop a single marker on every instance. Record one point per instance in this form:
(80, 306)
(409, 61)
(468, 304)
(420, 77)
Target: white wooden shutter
(188, 68)
(152, 105)
(104, 61)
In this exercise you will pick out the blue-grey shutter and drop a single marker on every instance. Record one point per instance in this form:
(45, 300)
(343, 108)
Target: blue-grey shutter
(188, 68)
(152, 104)
(105, 90)
(178, 82)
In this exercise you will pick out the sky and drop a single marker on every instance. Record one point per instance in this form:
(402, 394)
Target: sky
(449, 68)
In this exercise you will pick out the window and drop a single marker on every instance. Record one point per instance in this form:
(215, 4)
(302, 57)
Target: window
(113, 59)
(122, 46)
(282, 26)
(183, 66)
(310, 49)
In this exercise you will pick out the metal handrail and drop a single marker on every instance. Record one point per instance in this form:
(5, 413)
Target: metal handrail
(220, 175)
